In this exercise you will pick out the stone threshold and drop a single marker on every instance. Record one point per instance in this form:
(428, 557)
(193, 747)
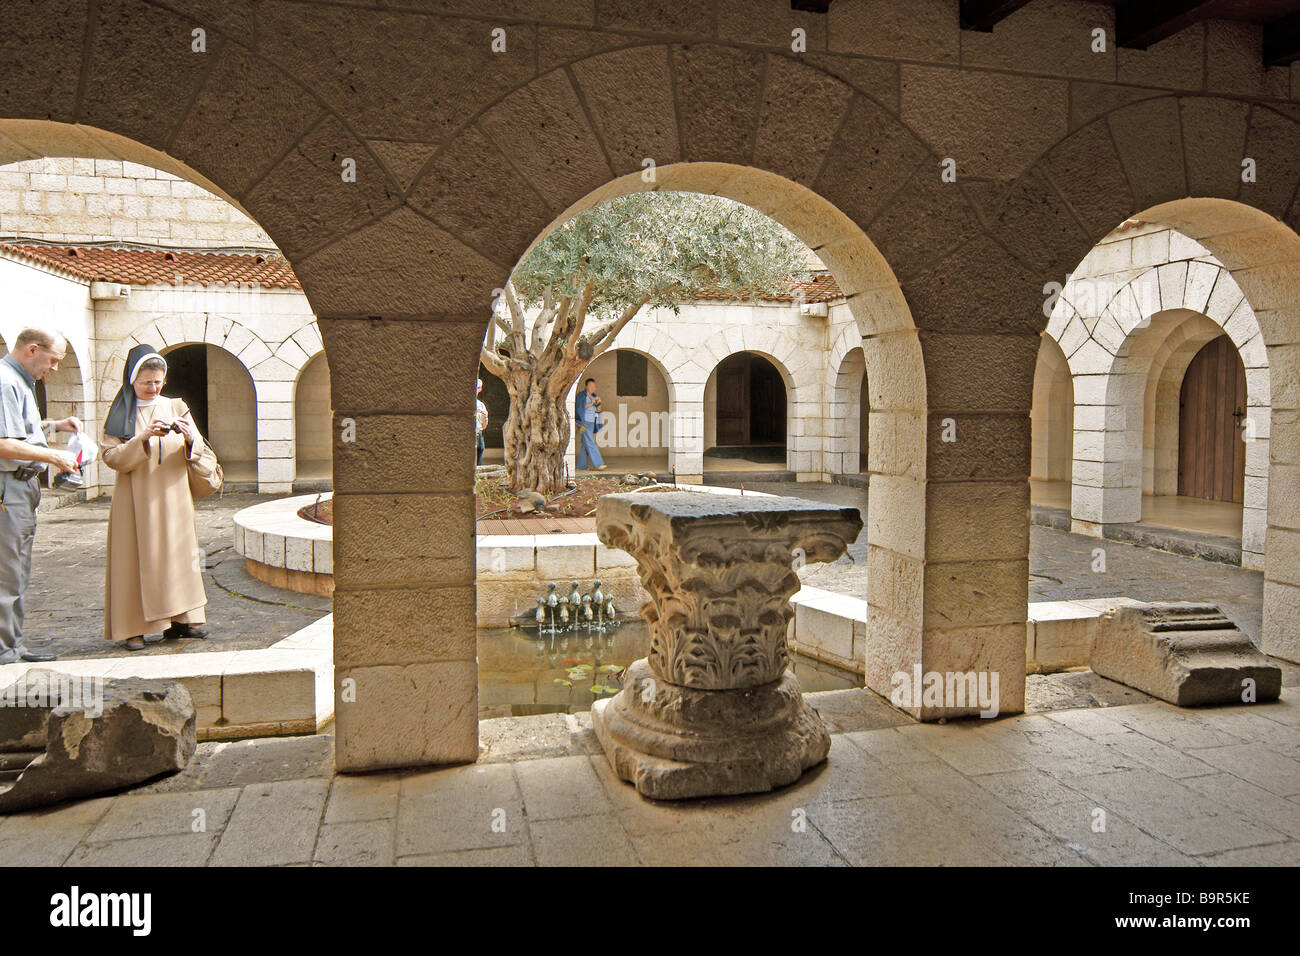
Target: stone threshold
(287, 688)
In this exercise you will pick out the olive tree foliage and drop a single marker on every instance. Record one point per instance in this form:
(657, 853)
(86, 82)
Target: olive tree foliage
(576, 289)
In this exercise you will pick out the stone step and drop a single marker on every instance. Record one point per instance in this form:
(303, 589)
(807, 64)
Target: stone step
(1185, 653)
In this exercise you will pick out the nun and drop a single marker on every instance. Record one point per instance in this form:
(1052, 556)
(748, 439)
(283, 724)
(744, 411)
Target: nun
(154, 582)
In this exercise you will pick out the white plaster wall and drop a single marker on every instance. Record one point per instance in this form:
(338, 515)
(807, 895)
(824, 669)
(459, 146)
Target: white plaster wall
(34, 295)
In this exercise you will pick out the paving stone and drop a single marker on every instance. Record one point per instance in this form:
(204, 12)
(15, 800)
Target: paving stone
(856, 709)
(273, 824)
(1255, 802)
(890, 747)
(1120, 844)
(47, 837)
(355, 798)
(1041, 742)
(1015, 839)
(267, 759)
(518, 855)
(459, 808)
(559, 787)
(903, 830)
(1180, 729)
(1256, 763)
(593, 840)
(1152, 753)
(151, 815)
(1025, 789)
(178, 849)
(1169, 811)
(361, 843)
(963, 746)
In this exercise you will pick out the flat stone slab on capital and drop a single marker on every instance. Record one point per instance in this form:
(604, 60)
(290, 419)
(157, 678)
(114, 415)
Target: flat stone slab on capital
(1185, 653)
(64, 737)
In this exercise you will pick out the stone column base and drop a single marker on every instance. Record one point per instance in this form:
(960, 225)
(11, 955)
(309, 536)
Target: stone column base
(675, 743)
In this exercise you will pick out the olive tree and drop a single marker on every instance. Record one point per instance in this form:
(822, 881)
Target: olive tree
(577, 288)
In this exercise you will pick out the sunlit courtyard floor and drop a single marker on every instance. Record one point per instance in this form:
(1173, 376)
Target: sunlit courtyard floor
(1209, 786)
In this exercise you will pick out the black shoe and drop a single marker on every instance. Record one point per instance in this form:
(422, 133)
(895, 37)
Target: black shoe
(37, 657)
(183, 630)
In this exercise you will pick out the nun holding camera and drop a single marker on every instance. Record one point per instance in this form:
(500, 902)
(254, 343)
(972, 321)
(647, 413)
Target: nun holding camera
(154, 581)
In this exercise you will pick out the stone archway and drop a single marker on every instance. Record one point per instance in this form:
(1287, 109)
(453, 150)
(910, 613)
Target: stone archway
(1125, 359)
(637, 424)
(453, 180)
(1136, 161)
(1052, 416)
(747, 426)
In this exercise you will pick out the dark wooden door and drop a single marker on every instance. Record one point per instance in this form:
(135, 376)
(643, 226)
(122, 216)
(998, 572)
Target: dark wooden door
(1211, 411)
(733, 400)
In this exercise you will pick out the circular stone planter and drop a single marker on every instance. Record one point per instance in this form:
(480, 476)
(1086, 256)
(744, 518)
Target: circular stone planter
(283, 548)
(286, 550)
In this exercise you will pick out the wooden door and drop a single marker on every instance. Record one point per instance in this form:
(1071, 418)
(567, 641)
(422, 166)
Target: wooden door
(733, 401)
(1211, 412)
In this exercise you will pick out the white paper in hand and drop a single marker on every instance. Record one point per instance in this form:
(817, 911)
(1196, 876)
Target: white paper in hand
(81, 447)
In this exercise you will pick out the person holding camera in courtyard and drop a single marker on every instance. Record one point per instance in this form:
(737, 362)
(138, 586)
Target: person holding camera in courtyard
(154, 580)
(24, 455)
(587, 415)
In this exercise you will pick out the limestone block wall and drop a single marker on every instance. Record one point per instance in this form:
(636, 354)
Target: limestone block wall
(686, 347)
(89, 200)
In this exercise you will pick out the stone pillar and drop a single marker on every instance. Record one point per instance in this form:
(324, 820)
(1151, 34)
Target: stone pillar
(712, 709)
(686, 452)
(406, 687)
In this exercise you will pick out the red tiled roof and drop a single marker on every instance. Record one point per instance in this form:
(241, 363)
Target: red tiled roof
(269, 270)
(151, 266)
(819, 287)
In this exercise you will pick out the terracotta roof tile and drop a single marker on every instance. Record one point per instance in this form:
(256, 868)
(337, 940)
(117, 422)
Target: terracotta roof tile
(152, 266)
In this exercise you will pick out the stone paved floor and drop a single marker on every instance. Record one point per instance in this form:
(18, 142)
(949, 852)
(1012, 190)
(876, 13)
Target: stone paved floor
(65, 601)
(1214, 786)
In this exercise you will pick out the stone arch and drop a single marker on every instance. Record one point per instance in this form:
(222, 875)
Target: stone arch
(1136, 161)
(635, 343)
(1130, 358)
(754, 336)
(448, 238)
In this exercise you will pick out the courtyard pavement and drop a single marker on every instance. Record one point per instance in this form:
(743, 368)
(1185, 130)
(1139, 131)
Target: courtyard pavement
(65, 600)
(1143, 784)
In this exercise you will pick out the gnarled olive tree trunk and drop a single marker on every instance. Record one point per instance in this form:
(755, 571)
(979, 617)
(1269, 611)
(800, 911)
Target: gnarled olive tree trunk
(536, 433)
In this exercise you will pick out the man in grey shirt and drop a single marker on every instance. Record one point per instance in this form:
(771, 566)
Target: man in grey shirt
(24, 454)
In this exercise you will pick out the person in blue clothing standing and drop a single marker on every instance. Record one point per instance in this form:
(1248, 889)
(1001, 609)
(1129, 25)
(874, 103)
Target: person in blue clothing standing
(586, 412)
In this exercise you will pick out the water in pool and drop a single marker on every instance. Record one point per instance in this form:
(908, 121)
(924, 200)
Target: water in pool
(520, 674)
